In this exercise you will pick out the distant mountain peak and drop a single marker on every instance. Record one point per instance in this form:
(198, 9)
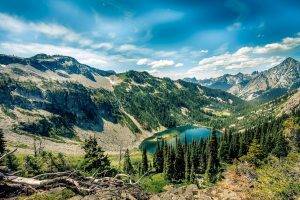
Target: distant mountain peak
(289, 60)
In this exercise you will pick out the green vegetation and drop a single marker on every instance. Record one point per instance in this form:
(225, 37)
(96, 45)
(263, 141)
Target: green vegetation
(213, 163)
(127, 166)
(278, 178)
(154, 183)
(94, 160)
(158, 102)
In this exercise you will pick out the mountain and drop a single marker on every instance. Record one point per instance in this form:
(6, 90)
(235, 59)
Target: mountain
(56, 63)
(227, 82)
(274, 82)
(263, 86)
(64, 101)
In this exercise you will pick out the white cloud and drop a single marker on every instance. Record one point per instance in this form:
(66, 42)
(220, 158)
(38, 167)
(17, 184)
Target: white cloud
(179, 65)
(142, 61)
(161, 64)
(132, 48)
(9, 23)
(17, 26)
(247, 57)
(29, 49)
(286, 44)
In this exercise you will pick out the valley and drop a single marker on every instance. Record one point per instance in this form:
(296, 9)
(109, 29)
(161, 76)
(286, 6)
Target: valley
(172, 137)
(39, 97)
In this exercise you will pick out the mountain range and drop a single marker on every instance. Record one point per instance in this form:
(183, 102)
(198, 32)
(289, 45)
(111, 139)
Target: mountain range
(264, 86)
(57, 97)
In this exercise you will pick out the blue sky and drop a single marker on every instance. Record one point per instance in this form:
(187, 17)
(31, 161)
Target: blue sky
(174, 38)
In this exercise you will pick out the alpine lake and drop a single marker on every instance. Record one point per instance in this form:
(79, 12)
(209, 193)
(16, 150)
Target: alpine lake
(188, 133)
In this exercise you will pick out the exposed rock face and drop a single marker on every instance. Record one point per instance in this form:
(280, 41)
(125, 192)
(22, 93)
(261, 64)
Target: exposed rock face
(285, 75)
(266, 85)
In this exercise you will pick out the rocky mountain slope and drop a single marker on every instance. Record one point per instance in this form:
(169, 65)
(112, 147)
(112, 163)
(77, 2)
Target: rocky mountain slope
(64, 101)
(227, 82)
(263, 86)
(275, 81)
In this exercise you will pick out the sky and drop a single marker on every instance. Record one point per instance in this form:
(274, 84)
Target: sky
(167, 38)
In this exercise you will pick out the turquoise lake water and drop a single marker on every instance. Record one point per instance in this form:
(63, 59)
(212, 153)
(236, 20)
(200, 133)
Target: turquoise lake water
(191, 133)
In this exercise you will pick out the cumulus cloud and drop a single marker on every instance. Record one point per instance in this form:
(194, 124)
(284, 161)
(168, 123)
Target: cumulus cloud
(286, 44)
(179, 65)
(247, 57)
(161, 64)
(142, 61)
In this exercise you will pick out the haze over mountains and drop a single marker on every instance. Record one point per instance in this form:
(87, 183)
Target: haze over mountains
(264, 85)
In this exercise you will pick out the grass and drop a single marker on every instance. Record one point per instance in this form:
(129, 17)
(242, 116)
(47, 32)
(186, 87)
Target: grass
(154, 183)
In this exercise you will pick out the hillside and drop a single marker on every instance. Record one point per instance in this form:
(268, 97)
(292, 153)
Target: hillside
(264, 86)
(58, 98)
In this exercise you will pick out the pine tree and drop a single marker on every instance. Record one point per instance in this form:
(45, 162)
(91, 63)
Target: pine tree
(223, 152)
(168, 163)
(62, 163)
(192, 173)
(144, 167)
(11, 162)
(234, 146)
(281, 146)
(243, 143)
(255, 153)
(2, 143)
(179, 165)
(127, 166)
(187, 170)
(213, 160)
(94, 158)
(158, 158)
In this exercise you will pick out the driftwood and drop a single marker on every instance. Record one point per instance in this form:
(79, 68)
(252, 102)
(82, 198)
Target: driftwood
(70, 179)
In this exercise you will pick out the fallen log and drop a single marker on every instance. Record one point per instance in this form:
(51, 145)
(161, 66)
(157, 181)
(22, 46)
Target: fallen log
(75, 181)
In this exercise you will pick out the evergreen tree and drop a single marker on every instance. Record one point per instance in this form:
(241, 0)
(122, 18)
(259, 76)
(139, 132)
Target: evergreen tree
(243, 144)
(158, 158)
(234, 146)
(127, 166)
(281, 146)
(213, 163)
(11, 162)
(62, 164)
(187, 170)
(192, 173)
(255, 154)
(224, 149)
(144, 167)
(179, 164)
(94, 158)
(168, 163)
(2, 143)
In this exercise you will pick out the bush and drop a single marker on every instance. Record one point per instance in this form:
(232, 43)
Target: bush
(154, 183)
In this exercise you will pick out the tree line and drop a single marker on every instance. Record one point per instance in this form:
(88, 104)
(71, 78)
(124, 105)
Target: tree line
(182, 161)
